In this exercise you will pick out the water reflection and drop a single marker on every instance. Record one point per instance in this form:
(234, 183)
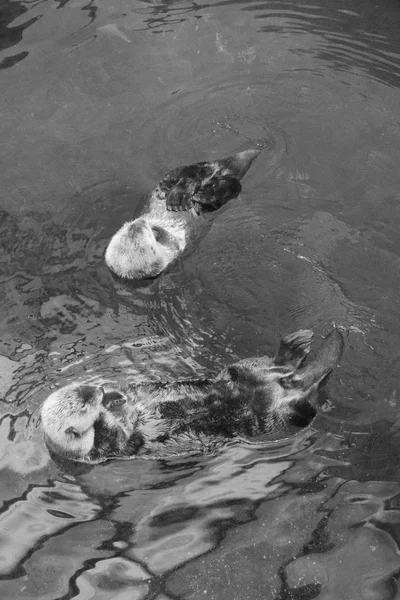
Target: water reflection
(366, 543)
(41, 513)
(153, 506)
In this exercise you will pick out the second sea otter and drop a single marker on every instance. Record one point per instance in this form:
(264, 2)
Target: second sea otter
(144, 247)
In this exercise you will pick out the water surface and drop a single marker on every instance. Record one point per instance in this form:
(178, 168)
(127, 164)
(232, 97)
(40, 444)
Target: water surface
(98, 100)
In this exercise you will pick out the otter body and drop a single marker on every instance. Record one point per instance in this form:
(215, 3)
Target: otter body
(144, 247)
(252, 397)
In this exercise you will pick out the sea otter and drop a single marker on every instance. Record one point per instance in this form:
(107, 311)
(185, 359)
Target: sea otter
(251, 398)
(144, 247)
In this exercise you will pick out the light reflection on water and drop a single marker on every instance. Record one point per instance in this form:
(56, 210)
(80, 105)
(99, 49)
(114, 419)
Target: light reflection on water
(98, 102)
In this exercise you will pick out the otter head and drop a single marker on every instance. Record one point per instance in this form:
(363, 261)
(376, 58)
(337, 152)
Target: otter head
(141, 249)
(296, 385)
(68, 418)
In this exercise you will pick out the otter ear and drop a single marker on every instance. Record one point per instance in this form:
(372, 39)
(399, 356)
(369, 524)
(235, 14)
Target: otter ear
(72, 431)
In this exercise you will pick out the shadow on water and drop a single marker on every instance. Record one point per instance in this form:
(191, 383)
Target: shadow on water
(91, 120)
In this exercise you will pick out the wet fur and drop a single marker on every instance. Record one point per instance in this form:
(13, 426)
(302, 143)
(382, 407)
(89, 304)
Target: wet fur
(144, 247)
(252, 397)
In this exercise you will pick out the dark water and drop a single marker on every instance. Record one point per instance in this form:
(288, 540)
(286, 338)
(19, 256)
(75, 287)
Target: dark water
(97, 101)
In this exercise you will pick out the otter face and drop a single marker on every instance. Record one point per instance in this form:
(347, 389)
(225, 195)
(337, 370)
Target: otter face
(68, 418)
(141, 249)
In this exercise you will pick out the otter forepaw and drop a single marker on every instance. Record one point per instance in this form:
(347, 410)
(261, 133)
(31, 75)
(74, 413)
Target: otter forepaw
(181, 206)
(179, 199)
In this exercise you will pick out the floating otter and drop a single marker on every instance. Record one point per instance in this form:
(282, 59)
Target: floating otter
(253, 397)
(143, 248)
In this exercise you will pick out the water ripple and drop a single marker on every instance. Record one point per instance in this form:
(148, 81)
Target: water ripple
(352, 40)
(28, 522)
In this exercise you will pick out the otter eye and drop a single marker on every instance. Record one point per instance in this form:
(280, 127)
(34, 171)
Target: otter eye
(83, 408)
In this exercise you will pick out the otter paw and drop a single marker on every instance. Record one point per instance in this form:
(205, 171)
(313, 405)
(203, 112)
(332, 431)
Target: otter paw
(179, 198)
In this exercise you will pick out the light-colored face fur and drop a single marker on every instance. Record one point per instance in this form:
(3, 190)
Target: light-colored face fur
(144, 247)
(68, 417)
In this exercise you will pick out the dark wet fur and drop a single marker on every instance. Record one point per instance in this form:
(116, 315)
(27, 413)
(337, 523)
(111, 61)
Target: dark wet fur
(202, 186)
(194, 416)
(249, 399)
(113, 442)
(203, 197)
(216, 193)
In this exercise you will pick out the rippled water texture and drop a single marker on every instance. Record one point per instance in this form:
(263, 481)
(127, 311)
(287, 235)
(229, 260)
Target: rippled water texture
(97, 101)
